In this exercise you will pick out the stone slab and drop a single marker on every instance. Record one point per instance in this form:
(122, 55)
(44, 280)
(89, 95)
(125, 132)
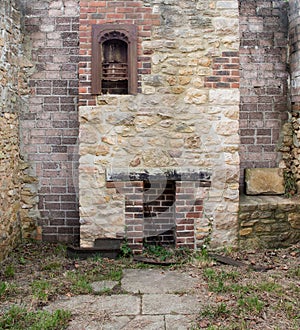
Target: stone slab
(103, 285)
(179, 322)
(157, 304)
(156, 281)
(97, 305)
(148, 322)
(99, 322)
(173, 174)
(268, 181)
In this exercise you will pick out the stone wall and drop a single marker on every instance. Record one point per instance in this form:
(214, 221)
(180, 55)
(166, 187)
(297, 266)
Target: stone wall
(10, 105)
(185, 116)
(269, 222)
(49, 125)
(294, 125)
(264, 82)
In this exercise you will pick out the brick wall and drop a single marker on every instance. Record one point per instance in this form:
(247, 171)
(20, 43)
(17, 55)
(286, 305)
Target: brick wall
(185, 201)
(159, 211)
(49, 127)
(263, 86)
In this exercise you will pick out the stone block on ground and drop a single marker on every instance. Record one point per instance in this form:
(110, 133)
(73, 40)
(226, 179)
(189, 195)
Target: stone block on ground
(264, 181)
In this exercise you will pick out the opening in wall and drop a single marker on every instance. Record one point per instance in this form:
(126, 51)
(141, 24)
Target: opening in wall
(159, 212)
(114, 59)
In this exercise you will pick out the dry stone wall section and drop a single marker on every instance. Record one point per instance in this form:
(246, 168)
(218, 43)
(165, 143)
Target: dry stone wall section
(11, 87)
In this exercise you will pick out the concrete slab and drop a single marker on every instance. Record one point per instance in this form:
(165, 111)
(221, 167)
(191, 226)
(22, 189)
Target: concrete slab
(102, 286)
(178, 322)
(148, 322)
(156, 304)
(97, 323)
(95, 305)
(156, 281)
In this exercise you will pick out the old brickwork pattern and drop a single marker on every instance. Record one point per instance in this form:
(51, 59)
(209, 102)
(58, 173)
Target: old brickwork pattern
(263, 86)
(50, 126)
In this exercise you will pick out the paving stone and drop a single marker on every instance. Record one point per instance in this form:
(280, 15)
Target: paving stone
(178, 322)
(157, 304)
(95, 305)
(148, 322)
(103, 285)
(104, 322)
(156, 281)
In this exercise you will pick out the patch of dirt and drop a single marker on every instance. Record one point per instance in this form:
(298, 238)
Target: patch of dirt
(261, 291)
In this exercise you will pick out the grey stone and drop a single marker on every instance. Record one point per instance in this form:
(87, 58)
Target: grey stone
(148, 322)
(178, 322)
(95, 305)
(156, 281)
(264, 181)
(101, 321)
(103, 285)
(156, 304)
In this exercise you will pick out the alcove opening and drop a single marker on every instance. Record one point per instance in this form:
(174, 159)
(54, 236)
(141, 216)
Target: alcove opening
(114, 67)
(159, 213)
(114, 59)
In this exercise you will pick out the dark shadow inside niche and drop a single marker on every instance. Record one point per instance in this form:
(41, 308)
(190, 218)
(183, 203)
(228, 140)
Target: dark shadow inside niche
(114, 67)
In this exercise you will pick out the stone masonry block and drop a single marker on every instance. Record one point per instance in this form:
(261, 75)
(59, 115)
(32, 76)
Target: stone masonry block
(264, 181)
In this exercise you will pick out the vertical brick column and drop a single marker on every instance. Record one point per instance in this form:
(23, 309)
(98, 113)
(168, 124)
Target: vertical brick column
(188, 210)
(134, 215)
(263, 83)
(49, 128)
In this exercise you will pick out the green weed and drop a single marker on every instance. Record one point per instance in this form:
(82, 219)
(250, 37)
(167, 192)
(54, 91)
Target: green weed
(217, 281)
(54, 265)
(80, 283)
(217, 311)
(3, 287)
(126, 251)
(160, 252)
(18, 318)
(41, 289)
(9, 271)
(250, 304)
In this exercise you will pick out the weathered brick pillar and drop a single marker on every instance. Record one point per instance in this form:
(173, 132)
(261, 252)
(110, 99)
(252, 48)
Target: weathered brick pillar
(188, 210)
(134, 215)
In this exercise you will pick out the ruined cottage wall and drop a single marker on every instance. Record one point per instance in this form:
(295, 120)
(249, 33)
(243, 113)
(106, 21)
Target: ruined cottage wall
(10, 106)
(49, 126)
(264, 82)
(185, 116)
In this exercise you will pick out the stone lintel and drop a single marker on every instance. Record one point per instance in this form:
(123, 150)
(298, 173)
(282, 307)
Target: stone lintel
(152, 174)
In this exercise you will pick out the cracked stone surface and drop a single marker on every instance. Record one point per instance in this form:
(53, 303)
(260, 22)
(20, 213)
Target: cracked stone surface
(155, 299)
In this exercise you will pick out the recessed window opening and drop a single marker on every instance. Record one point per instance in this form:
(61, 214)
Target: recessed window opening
(114, 59)
(114, 67)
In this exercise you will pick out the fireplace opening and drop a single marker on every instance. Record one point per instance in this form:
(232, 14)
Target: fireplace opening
(159, 212)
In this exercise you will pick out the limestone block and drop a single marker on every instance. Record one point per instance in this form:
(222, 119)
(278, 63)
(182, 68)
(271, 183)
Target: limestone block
(265, 181)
